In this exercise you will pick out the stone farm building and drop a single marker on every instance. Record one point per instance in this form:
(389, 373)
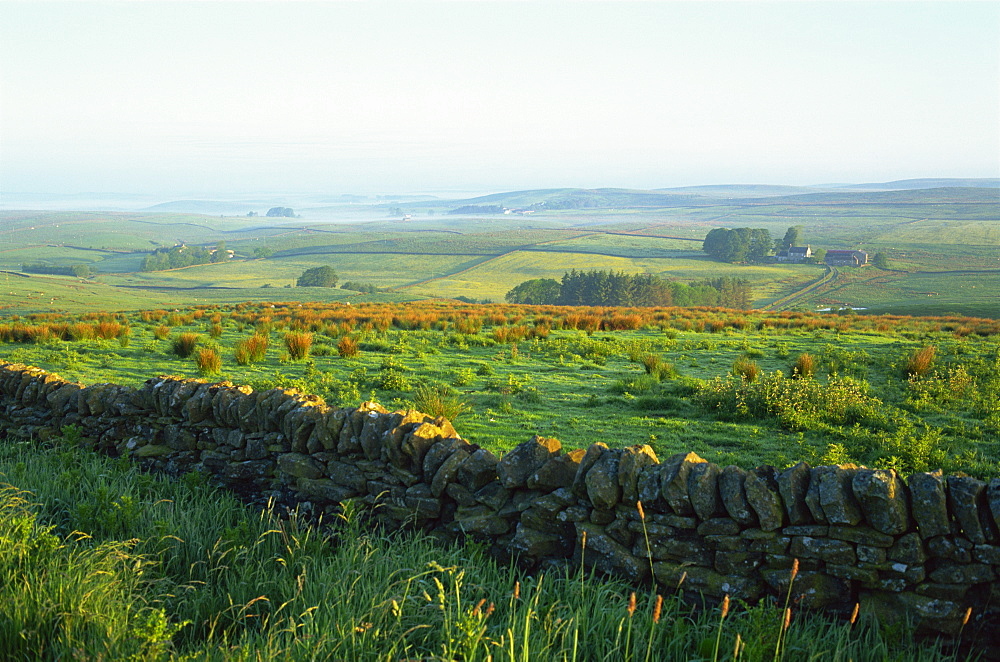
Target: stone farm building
(794, 254)
(841, 258)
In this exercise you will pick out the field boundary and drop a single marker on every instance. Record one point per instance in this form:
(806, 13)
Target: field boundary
(827, 537)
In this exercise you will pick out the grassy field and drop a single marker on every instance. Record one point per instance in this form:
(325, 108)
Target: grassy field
(129, 565)
(583, 376)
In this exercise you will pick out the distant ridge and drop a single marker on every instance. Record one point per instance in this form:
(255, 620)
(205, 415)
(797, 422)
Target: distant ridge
(742, 190)
(578, 198)
(227, 208)
(941, 182)
(942, 195)
(753, 194)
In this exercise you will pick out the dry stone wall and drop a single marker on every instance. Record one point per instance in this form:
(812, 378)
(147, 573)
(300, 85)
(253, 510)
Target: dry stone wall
(927, 546)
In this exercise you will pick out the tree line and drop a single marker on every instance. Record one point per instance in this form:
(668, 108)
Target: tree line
(78, 270)
(608, 288)
(748, 244)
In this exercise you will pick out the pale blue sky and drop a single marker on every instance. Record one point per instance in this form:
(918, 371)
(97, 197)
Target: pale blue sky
(239, 97)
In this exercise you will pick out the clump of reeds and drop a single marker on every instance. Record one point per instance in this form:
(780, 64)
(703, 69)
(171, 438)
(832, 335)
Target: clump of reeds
(298, 344)
(184, 344)
(347, 347)
(921, 362)
(208, 360)
(746, 369)
(251, 349)
(805, 366)
(439, 400)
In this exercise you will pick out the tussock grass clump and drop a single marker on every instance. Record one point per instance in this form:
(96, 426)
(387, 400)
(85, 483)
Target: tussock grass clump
(184, 344)
(920, 362)
(439, 400)
(109, 330)
(805, 366)
(746, 369)
(298, 345)
(347, 347)
(161, 332)
(208, 360)
(655, 366)
(251, 350)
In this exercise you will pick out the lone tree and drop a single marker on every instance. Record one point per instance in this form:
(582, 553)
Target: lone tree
(793, 236)
(317, 277)
(287, 212)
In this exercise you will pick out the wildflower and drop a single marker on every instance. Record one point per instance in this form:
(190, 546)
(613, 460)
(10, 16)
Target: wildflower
(658, 608)
(631, 605)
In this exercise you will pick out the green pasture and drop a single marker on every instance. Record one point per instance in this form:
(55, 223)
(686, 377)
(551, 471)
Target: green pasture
(584, 388)
(973, 294)
(23, 294)
(624, 246)
(493, 278)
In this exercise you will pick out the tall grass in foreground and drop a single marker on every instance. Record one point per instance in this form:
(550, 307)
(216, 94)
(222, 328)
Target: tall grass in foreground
(128, 565)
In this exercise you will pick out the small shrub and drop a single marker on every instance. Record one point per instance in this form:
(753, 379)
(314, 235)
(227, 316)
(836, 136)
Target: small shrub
(921, 362)
(322, 350)
(209, 361)
(393, 380)
(805, 366)
(184, 344)
(347, 347)
(439, 400)
(640, 384)
(298, 345)
(463, 377)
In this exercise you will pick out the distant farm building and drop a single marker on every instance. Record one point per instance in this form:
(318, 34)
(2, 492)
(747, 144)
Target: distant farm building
(839, 258)
(794, 254)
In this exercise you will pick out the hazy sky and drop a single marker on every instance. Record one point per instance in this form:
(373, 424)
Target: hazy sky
(344, 97)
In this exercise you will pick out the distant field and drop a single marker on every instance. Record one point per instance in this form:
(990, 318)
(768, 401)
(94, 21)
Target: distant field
(437, 254)
(918, 293)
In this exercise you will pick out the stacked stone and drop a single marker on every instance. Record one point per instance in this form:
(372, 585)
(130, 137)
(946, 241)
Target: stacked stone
(927, 547)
